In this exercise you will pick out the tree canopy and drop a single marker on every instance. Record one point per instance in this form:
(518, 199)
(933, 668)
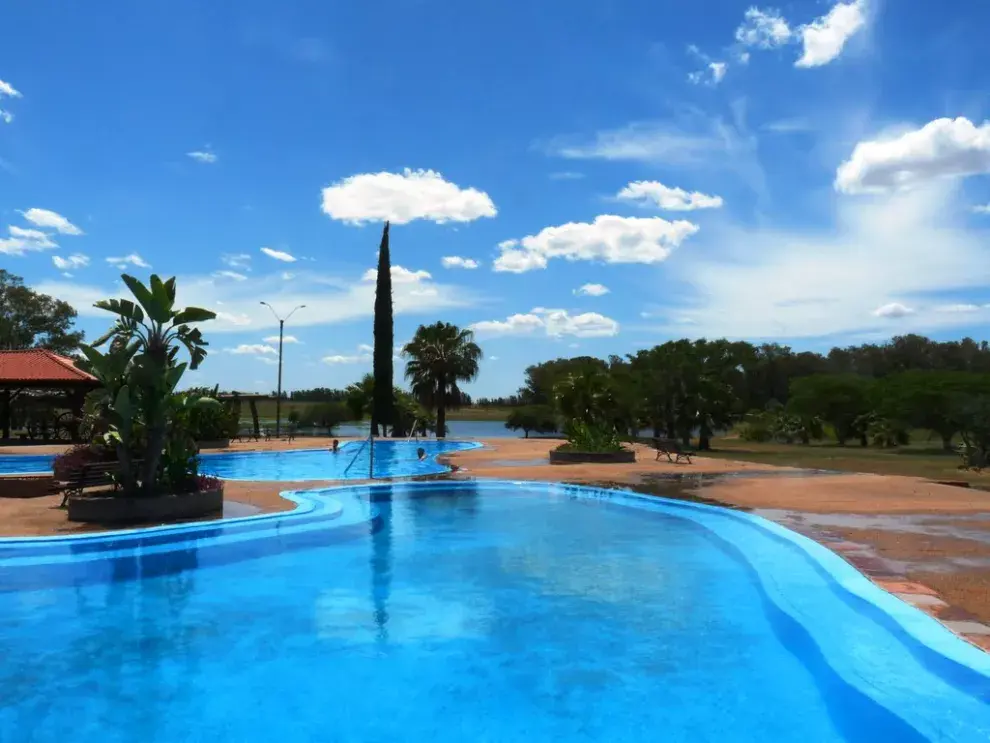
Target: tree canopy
(29, 319)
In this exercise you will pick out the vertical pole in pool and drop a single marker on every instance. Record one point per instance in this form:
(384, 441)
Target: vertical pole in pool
(371, 456)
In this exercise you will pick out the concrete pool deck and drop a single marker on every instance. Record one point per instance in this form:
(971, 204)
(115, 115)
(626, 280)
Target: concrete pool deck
(925, 542)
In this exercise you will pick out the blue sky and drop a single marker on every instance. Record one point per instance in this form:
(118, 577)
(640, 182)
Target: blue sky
(599, 176)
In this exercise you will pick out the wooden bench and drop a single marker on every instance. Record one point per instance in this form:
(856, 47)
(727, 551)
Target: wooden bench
(92, 475)
(672, 449)
(246, 434)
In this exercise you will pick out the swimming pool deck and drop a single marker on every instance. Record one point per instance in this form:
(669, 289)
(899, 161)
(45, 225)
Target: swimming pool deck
(925, 542)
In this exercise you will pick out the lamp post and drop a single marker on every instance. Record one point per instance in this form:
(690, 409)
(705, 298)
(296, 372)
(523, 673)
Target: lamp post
(278, 398)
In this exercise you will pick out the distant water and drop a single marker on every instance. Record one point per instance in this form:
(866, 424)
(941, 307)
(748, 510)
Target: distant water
(455, 430)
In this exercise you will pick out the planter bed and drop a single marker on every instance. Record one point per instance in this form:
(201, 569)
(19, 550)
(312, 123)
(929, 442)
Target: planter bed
(26, 486)
(215, 444)
(108, 509)
(626, 456)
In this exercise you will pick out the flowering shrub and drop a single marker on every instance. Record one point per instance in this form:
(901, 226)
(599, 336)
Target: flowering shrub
(77, 456)
(208, 482)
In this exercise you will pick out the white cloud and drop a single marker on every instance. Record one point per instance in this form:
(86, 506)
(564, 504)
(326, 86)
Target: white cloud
(592, 290)
(266, 360)
(51, 220)
(718, 70)
(72, 262)
(366, 348)
(6, 89)
(455, 261)
(404, 197)
(287, 276)
(981, 209)
(713, 74)
(6, 116)
(358, 358)
(252, 349)
(643, 141)
(203, 156)
(230, 275)
(553, 323)
(129, 260)
(566, 175)
(943, 148)
(957, 308)
(609, 238)
(763, 29)
(329, 299)
(279, 255)
(400, 275)
(236, 260)
(285, 339)
(23, 241)
(825, 37)
(912, 248)
(493, 358)
(671, 199)
(893, 310)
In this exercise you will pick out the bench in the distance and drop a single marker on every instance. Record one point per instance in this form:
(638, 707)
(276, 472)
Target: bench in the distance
(92, 475)
(672, 449)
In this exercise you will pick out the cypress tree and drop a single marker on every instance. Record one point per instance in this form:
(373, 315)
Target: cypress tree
(381, 408)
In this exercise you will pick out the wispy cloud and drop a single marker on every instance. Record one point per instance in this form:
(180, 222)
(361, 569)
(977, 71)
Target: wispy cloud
(230, 275)
(129, 260)
(203, 156)
(236, 260)
(279, 255)
(51, 220)
(70, 263)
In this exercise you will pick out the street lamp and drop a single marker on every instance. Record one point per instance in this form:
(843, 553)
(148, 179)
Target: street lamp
(278, 399)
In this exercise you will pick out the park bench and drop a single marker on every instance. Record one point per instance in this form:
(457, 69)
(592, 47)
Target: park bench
(672, 449)
(246, 434)
(92, 475)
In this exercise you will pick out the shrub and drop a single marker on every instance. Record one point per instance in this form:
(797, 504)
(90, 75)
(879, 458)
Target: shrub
(326, 415)
(591, 437)
(538, 418)
(79, 455)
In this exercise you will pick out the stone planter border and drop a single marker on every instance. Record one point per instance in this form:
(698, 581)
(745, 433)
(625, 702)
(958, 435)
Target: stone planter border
(104, 509)
(626, 456)
(26, 486)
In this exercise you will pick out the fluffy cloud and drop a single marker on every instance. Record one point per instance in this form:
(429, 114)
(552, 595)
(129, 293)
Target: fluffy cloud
(609, 238)
(760, 282)
(236, 260)
(981, 209)
(404, 197)
(553, 323)
(285, 339)
(671, 199)
(7, 90)
(329, 299)
(23, 240)
(943, 148)
(763, 29)
(893, 310)
(592, 290)
(252, 349)
(279, 255)
(128, 260)
(51, 220)
(455, 261)
(362, 356)
(202, 156)
(713, 74)
(825, 37)
(74, 261)
(400, 275)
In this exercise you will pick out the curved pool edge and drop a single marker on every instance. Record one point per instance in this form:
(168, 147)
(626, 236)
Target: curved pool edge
(920, 627)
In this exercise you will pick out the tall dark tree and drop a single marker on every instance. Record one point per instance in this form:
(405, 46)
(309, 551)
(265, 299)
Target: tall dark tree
(382, 404)
(32, 320)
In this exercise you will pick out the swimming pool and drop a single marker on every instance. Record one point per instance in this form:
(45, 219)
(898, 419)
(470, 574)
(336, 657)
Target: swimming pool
(393, 458)
(470, 611)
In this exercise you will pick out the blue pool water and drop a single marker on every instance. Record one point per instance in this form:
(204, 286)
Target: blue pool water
(392, 459)
(471, 611)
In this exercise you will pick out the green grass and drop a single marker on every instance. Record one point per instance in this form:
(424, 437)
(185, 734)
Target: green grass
(922, 459)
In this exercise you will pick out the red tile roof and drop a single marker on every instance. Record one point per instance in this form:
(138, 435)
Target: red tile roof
(37, 366)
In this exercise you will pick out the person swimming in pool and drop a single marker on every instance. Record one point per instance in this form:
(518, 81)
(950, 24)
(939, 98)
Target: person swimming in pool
(421, 453)
(336, 446)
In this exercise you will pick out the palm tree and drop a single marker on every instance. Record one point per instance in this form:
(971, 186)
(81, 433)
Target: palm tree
(439, 356)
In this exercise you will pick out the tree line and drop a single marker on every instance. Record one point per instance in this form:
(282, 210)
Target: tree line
(681, 389)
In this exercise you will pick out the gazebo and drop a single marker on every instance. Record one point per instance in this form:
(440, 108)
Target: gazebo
(45, 371)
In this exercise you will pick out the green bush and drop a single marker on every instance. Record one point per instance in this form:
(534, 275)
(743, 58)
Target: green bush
(327, 415)
(591, 437)
(538, 418)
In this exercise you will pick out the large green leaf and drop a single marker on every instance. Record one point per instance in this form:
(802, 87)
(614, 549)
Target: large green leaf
(161, 294)
(193, 314)
(152, 308)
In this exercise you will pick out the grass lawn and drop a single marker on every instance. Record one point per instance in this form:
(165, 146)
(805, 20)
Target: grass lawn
(919, 460)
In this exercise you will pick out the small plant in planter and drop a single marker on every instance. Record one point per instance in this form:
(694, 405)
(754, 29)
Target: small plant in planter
(587, 403)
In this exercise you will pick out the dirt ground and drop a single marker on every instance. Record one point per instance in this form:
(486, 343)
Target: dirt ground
(902, 531)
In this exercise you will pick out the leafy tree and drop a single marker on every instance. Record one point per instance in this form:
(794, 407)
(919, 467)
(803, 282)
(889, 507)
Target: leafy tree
(538, 418)
(837, 399)
(440, 356)
(326, 415)
(586, 397)
(140, 372)
(541, 379)
(929, 399)
(381, 409)
(32, 320)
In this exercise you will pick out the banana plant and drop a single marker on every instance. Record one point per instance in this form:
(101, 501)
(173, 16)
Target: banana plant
(145, 341)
